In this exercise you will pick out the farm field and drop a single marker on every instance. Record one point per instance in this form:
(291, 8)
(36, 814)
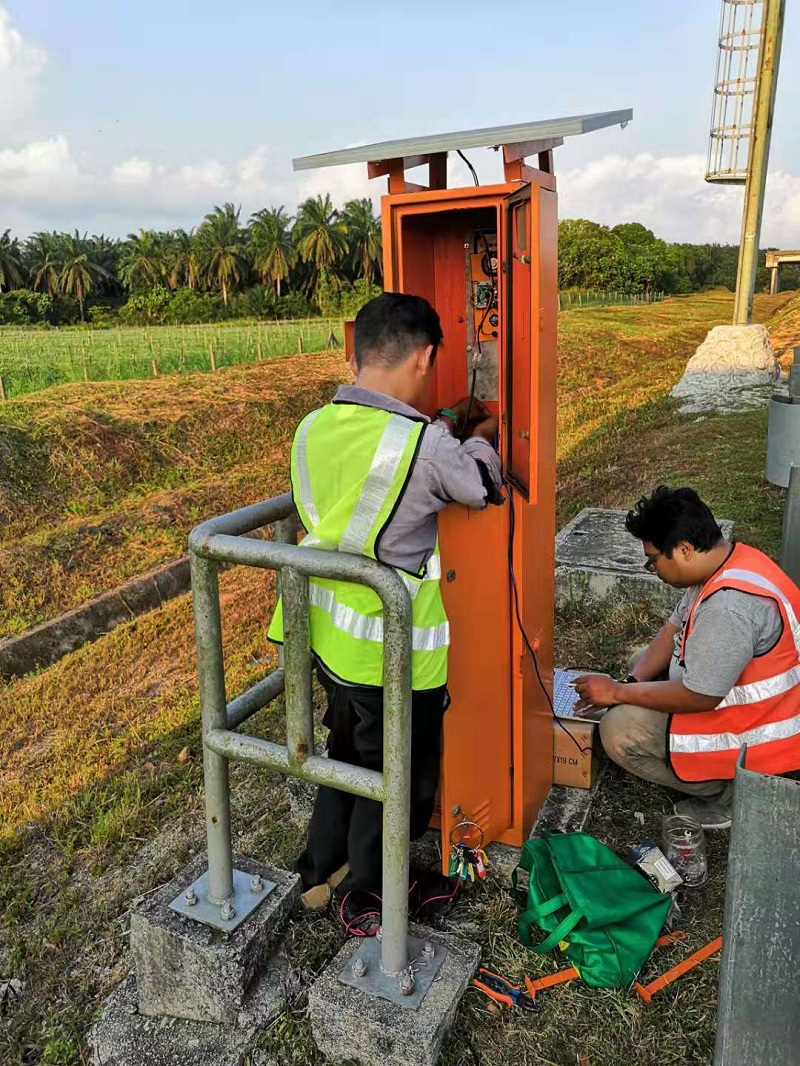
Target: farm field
(100, 762)
(31, 360)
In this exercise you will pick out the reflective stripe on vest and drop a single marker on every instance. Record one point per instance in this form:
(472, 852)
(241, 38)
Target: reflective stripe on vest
(382, 472)
(695, 743)
(370, 627)
(301, 452)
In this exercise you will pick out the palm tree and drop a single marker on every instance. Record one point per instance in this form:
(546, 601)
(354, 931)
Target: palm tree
(80, 274)
(182, 256)
(221, 251)
(12, 268)
(271, 247)
(43, 256)
(142, 262)
(363, 232)
(320, 236)
(105, 251)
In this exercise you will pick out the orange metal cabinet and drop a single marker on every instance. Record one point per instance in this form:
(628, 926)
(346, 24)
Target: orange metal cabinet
(497, 753)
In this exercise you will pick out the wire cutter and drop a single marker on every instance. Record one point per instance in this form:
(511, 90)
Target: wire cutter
(502, 991)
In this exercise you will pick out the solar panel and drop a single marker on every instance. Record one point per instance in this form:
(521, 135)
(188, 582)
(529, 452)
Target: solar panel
(489, 137)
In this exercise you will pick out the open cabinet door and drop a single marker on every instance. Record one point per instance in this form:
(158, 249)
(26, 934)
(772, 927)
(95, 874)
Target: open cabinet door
(530, 448)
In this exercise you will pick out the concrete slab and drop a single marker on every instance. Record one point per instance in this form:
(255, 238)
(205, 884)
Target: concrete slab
(124, 1037)
(188, 970)
(597, 560)
(350, 1026)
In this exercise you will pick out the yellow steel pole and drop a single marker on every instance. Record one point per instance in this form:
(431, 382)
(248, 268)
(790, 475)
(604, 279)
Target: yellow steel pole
(758, 157)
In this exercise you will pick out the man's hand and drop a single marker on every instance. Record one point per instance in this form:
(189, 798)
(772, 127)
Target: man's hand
(463, 408)
(486, 429)
(597, 690)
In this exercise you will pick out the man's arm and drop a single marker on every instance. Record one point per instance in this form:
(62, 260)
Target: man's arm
(669, 697)
(657, 656)
(467, 473)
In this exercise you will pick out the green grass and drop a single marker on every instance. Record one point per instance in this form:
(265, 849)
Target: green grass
(31, 360)
(100, 761)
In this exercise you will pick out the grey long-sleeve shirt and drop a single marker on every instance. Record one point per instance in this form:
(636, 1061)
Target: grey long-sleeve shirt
(446, 471)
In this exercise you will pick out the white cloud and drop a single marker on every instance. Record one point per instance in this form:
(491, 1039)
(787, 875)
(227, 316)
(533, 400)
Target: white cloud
(668, 194)
(133, 171)
(21, 65)
(45, 184)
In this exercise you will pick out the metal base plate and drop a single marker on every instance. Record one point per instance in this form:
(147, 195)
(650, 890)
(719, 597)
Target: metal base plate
(244, 901)
(387, 986)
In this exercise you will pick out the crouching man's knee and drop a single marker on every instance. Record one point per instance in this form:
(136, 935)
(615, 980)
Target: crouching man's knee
(616, 733)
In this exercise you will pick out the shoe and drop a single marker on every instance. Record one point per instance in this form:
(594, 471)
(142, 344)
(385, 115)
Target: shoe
(360, 913)
(318, 897)
(430, 895)
(710, 813)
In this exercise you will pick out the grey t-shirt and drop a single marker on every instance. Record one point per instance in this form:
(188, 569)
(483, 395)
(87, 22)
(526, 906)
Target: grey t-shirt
(730, 628)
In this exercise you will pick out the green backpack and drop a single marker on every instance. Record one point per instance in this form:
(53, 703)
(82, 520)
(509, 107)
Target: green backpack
(602, 912)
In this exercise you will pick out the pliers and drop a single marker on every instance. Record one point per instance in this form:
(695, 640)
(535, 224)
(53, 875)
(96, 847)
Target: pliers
(502, 991)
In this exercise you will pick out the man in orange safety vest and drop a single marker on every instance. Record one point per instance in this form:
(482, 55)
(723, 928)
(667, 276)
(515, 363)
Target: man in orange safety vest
(721, 674)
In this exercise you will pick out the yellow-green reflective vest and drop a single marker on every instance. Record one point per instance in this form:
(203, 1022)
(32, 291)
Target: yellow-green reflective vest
(350, 467)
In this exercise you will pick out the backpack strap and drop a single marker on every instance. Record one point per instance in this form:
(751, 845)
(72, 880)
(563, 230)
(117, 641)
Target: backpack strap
(542, 910)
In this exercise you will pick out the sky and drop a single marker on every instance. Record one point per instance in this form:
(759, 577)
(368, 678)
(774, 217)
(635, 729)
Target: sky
(116, 116)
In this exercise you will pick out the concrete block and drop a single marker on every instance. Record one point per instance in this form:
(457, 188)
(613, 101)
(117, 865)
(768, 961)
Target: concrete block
(188, 970)
(598, 561)
(123, 1037)
(734, 369)
(351, 1026)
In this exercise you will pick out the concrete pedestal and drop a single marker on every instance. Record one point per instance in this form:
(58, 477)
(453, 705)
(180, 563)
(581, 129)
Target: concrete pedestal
(734, 369)
(197, 996)
(352, 1026)
(124, 1037)
(188, 970)
(598, 561)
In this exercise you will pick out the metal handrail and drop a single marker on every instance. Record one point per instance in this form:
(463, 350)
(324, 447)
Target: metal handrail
(222, 541)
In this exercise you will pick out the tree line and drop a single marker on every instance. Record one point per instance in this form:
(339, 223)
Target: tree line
(274, 265)
(281, 266)
(630, 259)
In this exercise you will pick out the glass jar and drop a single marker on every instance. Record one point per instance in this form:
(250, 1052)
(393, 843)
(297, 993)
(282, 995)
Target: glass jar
(685, 846)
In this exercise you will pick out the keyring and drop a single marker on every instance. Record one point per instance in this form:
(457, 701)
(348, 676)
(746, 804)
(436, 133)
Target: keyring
(473, 825)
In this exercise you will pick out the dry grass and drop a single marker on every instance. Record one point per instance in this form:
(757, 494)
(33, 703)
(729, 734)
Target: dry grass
(108, 479)
(100, 794)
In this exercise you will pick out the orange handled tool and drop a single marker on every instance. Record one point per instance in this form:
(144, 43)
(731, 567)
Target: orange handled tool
(646, 992)
(548, 982)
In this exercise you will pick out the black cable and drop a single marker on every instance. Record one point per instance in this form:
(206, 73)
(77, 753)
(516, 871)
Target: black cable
(471, 167)
(518, 614)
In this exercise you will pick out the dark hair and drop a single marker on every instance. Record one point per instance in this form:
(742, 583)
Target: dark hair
(392, 326)
(671, 516)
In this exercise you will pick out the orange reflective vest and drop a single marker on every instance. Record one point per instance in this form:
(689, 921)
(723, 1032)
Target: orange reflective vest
(762, 710)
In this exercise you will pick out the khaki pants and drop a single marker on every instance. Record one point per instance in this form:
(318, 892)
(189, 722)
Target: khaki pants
(636, 739)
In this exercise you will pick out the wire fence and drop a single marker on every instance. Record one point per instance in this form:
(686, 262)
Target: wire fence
(36, 359)
(573, 299)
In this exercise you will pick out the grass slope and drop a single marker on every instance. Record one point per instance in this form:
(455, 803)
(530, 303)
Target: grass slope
(100, 787)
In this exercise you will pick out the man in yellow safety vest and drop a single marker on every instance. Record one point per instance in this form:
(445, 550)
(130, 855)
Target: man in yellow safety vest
(369, 475)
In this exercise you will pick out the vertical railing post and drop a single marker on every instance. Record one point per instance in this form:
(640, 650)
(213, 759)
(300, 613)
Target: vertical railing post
(211, 677)
(284, 532)
(397, 779)
(790, 547)
(297, 666)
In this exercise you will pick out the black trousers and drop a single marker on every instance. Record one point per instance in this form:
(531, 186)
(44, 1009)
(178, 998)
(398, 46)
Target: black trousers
(346, 828)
